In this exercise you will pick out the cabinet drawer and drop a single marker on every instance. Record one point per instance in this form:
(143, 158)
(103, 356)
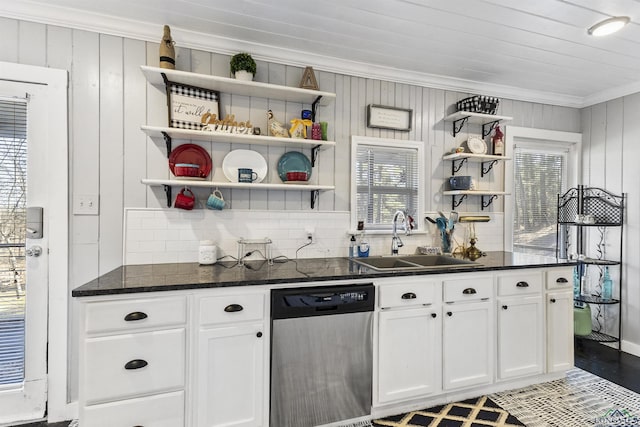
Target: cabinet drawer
(471, 289)
(520, 284)
(122, 366)
(560, 278)
(231, 308)
(409, 293)
(163, 410)
(125, 315)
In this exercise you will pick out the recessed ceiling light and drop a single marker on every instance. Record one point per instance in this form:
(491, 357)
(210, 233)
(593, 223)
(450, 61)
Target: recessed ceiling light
(608, 26)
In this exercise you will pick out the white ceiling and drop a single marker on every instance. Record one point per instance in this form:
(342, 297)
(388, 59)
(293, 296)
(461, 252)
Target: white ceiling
(531, 50)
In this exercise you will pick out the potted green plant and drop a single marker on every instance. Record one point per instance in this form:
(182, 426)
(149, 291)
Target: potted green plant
(243, 67)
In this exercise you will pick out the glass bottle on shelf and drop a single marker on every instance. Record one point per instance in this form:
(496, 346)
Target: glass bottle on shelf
(576, 283)
(607, 285)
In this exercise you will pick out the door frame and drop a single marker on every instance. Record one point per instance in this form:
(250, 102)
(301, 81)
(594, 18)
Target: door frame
(514, 134)
(56, 81)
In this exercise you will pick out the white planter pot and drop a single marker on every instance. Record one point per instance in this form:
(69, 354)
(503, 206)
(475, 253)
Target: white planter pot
(244, 75)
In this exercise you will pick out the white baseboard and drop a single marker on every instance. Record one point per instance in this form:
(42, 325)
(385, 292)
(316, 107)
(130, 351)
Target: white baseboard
(630, 347)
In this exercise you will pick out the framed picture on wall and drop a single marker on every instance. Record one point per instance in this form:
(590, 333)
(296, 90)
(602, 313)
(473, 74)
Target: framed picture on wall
(187, 105)
(380, 116)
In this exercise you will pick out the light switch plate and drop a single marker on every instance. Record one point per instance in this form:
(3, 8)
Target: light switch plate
(86, 204)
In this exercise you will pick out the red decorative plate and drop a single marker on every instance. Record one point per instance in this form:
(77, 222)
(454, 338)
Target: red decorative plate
(194, 154)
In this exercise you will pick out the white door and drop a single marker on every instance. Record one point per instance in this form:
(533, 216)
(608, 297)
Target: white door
(520, 336)
(559, 331)
(409, 355)
(23, 260)
(230, 376)
(467, 337)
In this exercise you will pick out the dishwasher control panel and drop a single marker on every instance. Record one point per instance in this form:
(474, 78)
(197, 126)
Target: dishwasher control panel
(317, 301)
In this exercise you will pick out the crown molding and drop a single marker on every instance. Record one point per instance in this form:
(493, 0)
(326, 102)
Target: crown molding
(609, 94)
(82, 20)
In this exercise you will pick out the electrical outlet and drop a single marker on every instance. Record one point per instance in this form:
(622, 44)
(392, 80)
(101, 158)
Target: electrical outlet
(85, 204)
(310, 234)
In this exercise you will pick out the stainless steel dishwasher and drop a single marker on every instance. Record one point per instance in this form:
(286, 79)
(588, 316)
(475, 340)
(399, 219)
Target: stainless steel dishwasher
(321, 354)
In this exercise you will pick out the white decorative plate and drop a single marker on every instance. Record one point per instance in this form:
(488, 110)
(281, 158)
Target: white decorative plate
(244, 159)
(477, 145)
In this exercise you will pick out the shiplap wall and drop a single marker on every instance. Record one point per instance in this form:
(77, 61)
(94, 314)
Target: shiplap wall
(110, 99)
(610, 149)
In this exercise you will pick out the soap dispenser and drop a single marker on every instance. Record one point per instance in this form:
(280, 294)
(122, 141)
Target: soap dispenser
(352, 246)
(363, 248)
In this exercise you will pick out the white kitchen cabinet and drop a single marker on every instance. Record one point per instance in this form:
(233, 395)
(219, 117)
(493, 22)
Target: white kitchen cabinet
(409, 339)
(409, 357)
(163, 410)
(467, 332)
(520, 329)
(231, 360)
(559, 305)
(520, 336)
(133, 361)
(467, 345)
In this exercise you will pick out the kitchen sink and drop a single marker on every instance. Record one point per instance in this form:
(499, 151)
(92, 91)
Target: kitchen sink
(413, 262)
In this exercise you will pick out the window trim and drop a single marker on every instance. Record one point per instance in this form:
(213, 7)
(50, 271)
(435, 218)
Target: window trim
(531, 137)
(389, 143)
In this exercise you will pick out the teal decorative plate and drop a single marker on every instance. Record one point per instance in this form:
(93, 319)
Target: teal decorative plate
(293, 161)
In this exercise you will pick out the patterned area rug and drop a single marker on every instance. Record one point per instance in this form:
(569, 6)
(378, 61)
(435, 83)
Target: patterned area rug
(477, 412)
(580, 399)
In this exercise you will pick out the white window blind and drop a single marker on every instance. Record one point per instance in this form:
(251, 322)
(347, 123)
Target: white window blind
(386, 180)
(13, 174)
(540, 174)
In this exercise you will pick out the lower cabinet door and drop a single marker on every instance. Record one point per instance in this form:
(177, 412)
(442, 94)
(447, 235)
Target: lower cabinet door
(520, 336)
(559, 331)
(231, 376)
(467, 356)
(163, 410)
(409, 356)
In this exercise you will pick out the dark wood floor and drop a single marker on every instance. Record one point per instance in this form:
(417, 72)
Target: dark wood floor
(608, 363)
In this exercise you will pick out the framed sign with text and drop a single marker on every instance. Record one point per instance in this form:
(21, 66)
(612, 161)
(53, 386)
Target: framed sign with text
(187, 104)
(380, 116)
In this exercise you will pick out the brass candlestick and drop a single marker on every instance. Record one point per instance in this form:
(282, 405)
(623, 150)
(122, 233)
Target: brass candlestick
(472, 252)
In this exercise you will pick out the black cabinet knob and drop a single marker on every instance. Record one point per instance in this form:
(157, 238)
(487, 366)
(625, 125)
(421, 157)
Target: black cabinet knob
(259, 334)
(136, 315)
(449, 313)
(409, 295)
(552, 300)
(504, 307)
(232, 308)
(434, 315)
(135, 364)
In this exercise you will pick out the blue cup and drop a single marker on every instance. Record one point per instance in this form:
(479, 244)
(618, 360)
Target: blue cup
(215, 201)
(246, 175)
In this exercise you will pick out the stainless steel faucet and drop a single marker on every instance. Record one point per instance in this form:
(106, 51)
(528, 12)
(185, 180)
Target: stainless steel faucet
(396, 243)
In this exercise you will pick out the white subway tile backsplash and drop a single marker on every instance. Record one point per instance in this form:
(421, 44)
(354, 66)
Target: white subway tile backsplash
(170, 235)
(154, 224)
(139, 258)
(151, 246)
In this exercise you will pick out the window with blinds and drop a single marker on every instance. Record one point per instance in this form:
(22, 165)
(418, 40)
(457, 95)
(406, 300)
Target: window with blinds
(13, 179)
(539, 176)
(386, 180)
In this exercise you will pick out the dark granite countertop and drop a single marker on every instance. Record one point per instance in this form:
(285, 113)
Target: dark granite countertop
(171, 277)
